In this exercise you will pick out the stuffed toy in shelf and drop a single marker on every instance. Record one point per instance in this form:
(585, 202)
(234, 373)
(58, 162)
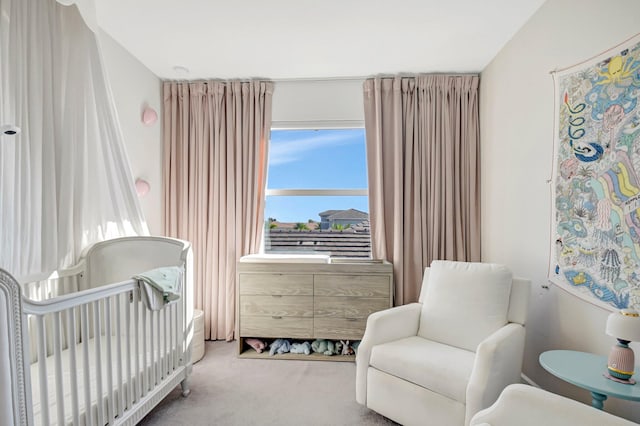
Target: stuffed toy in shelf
(326, 347)
(346, 348)
(256, 344)
(301, 348)
(279, 346)
(321, 346)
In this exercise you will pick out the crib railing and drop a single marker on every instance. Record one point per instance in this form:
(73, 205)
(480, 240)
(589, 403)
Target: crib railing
(99, 352)
(61, 283)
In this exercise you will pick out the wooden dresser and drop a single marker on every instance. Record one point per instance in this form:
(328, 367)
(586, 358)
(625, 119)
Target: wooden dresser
(309, 301)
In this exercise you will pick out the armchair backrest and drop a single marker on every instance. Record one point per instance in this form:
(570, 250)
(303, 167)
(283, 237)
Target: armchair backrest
(465, 302)
(519, 300)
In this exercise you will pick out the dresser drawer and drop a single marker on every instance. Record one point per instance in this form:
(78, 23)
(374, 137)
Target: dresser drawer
(278, 284)
(339, 328)
(352, 285)
(284, 327)
(348, 307)
(276, 305)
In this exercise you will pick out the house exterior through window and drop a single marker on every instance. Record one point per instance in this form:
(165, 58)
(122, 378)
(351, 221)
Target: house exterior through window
(317, 198)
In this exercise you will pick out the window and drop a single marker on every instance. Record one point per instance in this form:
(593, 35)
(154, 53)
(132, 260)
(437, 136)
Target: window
(317, 199)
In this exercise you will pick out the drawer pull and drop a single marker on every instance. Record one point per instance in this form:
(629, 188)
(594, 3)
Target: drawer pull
(276, 317)
(276, 295)
(352, 319)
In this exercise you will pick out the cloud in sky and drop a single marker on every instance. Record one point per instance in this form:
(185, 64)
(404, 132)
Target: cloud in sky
(291, 146)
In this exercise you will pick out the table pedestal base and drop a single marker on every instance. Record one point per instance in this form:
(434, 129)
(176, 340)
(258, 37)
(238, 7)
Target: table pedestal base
(597, 400)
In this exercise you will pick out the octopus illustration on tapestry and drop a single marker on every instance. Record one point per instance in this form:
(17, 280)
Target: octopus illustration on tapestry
(596, 185)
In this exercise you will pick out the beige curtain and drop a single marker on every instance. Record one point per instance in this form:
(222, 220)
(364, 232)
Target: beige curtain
(424, 180)
(215, 156)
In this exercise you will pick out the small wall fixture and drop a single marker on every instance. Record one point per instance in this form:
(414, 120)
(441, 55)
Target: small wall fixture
(149, 116)
(142, 187)
(9, 129)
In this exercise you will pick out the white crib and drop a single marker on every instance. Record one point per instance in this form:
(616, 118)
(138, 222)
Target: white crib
(82, 348)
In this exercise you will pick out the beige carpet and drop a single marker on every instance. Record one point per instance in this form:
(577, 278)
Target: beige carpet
(226, 390)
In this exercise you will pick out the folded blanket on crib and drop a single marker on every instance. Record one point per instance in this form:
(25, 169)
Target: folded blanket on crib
(160, 286)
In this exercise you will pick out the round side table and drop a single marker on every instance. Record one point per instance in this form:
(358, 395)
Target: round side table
(587, 371)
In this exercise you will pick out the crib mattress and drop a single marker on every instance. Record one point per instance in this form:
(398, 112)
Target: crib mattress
(151, 370)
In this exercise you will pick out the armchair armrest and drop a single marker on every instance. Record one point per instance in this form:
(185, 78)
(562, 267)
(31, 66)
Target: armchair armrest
(384, 326)
(498, 364)
(525, 405)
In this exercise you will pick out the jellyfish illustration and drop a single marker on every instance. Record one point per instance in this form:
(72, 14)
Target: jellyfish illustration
(587, 256)
(610, 265)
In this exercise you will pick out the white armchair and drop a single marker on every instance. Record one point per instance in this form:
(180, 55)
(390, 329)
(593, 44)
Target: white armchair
(441, 360)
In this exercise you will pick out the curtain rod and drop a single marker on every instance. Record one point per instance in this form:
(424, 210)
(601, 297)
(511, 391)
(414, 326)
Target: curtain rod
(339, 78)
(278, 80)
(361, 78)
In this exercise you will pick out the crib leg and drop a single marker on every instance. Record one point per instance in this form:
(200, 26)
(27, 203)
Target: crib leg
(185, 387)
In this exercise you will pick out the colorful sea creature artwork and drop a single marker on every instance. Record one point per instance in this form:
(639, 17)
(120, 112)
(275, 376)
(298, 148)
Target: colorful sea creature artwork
(595, 249)
(619, 69)
(619, 300)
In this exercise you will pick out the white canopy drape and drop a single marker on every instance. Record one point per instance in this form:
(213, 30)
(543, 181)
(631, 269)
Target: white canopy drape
(87, 9)
(65, 180)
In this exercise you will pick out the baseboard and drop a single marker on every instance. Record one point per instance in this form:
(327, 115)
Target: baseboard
(527, 380)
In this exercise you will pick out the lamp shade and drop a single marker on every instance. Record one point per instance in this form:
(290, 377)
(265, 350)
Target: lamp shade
(624, 325)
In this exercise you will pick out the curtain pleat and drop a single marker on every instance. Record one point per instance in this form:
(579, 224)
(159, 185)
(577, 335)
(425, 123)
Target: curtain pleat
(423, 169)
(215, 152)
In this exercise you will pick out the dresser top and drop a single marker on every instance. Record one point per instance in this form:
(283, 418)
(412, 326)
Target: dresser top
(285, 258)
(341, 266)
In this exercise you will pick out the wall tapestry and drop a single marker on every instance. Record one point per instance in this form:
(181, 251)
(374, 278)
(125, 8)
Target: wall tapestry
(595, 249)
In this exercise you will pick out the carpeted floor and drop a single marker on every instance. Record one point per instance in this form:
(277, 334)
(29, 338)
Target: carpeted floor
(226, 390)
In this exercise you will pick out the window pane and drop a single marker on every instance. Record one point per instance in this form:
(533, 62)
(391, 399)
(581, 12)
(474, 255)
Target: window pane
(333, 225)
(317, 159)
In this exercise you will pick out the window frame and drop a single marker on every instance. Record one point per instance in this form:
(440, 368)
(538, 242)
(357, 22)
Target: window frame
(312, 125)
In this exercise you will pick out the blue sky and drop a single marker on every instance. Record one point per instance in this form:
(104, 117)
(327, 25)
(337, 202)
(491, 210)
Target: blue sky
(315, 159)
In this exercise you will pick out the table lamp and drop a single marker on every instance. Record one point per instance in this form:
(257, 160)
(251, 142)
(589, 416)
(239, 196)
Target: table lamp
(624, 325)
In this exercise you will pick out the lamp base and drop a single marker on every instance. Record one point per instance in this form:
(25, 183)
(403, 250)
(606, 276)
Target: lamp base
(615, 379)
(621, 362)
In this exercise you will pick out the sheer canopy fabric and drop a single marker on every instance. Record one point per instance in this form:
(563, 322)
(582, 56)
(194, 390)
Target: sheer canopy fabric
(215, 160)
(65, 180)
(423, 166)
(87, 9)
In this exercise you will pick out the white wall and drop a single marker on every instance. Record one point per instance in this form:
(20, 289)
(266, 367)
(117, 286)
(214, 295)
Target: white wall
(516, 121)
(323, 101)
(134, 86)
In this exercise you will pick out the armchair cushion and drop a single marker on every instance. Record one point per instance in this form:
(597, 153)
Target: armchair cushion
(441, 368)
(464, 302)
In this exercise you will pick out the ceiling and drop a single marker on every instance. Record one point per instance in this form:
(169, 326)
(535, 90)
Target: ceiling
(297, 39)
